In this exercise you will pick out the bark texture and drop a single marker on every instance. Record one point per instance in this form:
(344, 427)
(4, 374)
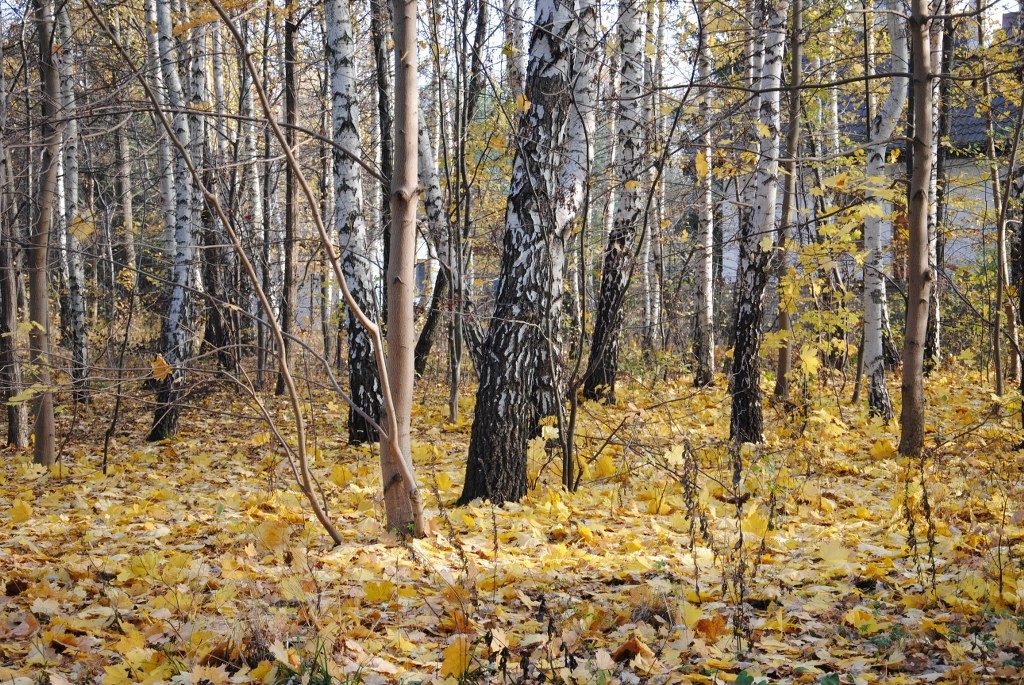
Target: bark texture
(757, 235)
(364, 381)
(882, 127)
(919, 273)
(538, 209)
(619, 253)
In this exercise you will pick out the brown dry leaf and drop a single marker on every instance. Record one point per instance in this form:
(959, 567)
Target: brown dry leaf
(710, 628)
(632, 648)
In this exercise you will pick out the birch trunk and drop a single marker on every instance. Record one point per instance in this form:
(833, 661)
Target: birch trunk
(573, 177)
(704, 342)
(881, 129)
(756, 237)
(364, 383)
(540, 209)
(602, 366)
(74, 224)
(176, 341)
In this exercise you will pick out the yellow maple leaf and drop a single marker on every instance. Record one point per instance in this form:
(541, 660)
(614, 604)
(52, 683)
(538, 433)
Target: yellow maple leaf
(215, 675)
(883, 449)
(161, 369)
(456, 658)
(833, 552)
(379, 591)
(273, 534)
(809, 360)
(20, 512)
(605, 466)
(864, 621)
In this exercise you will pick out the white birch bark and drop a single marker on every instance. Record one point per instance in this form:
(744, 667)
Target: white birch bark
(74, 223)
(364, 383)
(540, 207)
(176, 338)
(164, 163)
(882, 128)
(602, 366)
(757, 236)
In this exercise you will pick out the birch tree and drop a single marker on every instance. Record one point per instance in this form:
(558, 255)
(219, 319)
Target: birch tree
(364, 383)
(602, 366)
(704, 341)
(75, 225)
(539, 209)
(756, 238)
(882, 127)
(176, 340)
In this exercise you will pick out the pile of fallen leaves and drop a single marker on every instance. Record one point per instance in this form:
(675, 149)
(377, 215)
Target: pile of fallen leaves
(827, 559)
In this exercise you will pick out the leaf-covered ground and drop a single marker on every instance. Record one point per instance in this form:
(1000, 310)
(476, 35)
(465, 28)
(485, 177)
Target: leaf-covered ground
(832, 560)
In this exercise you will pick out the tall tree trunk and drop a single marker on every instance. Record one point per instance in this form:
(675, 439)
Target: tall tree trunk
(704, 341)
(919, 274)
(164, 162)
(10, 364)
(177, 342)
(402, 504)
(941, 177)
(75, 226)
(364, 382)
(757, 231)
(39, 303)
(539, 209)
(602, 366)
(786, 306)
(881, 130)
(380, 33)
(289, 287)
(933, 335)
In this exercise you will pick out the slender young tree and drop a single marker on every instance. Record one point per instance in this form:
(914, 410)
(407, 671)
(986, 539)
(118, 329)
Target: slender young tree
(704, 341)
(74, 224)
(46, 193)
(882, 128)
(402, 504)
(919, 274)
(790, 173)
(176, 340)
(756, 237)
(289, 292)
(364, 382)
(10, 363)
(602, 366)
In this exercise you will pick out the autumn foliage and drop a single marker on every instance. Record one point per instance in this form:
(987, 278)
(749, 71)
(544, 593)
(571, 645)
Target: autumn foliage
(829, 559)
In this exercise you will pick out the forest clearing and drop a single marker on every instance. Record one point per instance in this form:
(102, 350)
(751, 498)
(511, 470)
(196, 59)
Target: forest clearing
(196, 561)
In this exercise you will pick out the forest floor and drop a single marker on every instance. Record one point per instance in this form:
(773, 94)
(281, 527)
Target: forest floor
(831, 561)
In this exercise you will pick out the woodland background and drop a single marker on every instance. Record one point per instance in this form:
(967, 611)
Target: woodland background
(349, 342)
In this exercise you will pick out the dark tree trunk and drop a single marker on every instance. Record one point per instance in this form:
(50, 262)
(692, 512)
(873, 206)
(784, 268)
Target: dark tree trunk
(496, 465)
(288, 288)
